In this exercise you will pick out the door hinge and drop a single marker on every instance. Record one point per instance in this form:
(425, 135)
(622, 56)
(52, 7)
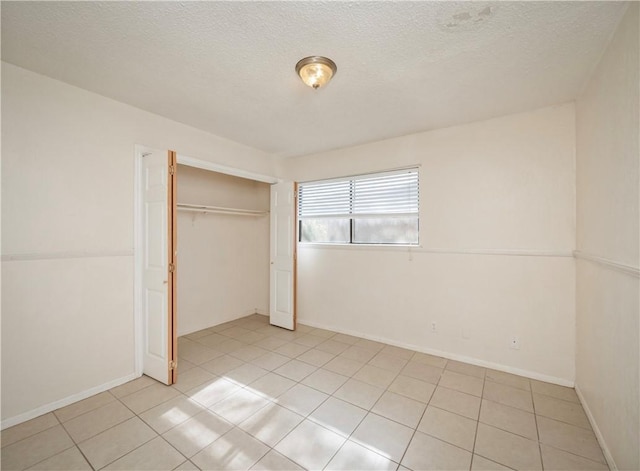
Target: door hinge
(172, 268)
(173, 365)
(172, 169)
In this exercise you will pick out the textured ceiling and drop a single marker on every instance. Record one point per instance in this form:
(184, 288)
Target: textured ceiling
(228, 67)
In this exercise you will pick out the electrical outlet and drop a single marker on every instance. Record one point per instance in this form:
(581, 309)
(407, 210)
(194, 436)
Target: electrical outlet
(434, 327)
(514, 342)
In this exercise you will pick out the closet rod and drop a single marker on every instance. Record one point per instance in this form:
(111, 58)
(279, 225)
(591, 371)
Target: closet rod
(220, 210)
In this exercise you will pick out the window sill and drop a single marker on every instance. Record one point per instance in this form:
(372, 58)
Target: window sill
(389, 247)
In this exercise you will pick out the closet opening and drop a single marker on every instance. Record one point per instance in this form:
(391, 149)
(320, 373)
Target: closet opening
(226, 256)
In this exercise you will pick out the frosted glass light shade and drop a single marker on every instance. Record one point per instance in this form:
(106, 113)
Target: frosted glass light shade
(316, 71)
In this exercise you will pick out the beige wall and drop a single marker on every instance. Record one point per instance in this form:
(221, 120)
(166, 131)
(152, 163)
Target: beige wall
(223, 260)
(608, 298)
(67, 235)
(497, 232)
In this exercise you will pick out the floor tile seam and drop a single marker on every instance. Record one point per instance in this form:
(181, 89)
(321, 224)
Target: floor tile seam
(556, 398)
(510, 385)
(455, 413)
(291, 431)
(492, 459)
(454, 371)
(348, 439)
(409, 397)
(450, 443)
(393, 420)
(306, 362)
(509, 431)
(455, 390)
(180, 393)
(33, 434)
(475, 437)
(301, 379)
(509, 406)
(323, 392)
(576, 454)
(109, 428)
(127, 453)
(533, 405)
(314, 409)
(277, 374)
(465, 392)
(178, 424)
(386, 388)
(588, 428)
(136, 414)
(159, 436)
(437, 383)
(288, 457)
(462, 374)
(101, 431)
(90, 410)
(57, 453)
(336, 452)
(428, 400)
(247, 417)
(398, 356)
(406, 448)
(86, 458)
(542, 442)
(234, 426)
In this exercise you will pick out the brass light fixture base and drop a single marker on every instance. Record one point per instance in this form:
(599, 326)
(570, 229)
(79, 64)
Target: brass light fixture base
(316, 71)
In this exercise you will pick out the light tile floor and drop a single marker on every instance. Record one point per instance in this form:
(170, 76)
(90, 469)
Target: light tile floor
(253, 396)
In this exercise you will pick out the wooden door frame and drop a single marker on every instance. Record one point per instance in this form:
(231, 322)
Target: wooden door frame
(172, 222)
(139, 150)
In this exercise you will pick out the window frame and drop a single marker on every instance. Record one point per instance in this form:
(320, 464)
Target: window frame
(351, 216)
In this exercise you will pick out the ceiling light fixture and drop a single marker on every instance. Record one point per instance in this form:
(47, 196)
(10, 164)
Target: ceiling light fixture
(316, 71)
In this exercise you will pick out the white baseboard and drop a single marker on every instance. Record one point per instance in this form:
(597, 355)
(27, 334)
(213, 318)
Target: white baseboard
(594, 425)
(37, 412)
(448, 355)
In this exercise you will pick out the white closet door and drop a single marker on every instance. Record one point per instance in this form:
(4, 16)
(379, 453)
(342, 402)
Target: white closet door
(157, 302)
(283, 246)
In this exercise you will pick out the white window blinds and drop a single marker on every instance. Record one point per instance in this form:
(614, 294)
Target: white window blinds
(375, 195)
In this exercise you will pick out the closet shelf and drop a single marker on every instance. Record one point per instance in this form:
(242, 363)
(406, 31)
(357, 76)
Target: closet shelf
(198, 208)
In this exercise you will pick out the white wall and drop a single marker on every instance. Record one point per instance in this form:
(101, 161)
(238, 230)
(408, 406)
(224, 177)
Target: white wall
(67, 234)
(223, 260)
(608, 299)
(497, 232)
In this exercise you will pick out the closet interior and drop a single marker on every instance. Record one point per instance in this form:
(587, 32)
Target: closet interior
(223, 248)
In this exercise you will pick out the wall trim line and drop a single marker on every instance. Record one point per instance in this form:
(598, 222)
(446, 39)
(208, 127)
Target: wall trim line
(22, 257)
(594, 425)
(607, 263)
(447, 355)
(443, 251)
(38, 411)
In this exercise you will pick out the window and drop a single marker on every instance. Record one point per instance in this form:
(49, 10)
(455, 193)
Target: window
(379, 208)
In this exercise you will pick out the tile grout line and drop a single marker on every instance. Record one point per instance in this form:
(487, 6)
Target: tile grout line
(475, 436)
(421, 417)
(535, 418)
(135, 415)
(75, 444)
(36, 433)
(478, 426)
